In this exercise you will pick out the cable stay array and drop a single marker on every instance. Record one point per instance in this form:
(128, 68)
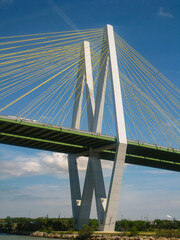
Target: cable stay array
(38, 75)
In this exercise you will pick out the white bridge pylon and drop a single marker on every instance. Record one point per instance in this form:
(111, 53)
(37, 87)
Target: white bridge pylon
(107, 207)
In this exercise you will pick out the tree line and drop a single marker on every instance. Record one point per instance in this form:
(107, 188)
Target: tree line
(126, 225)
(22, 224)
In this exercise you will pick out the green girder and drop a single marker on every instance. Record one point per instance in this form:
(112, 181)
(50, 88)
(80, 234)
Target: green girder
(26, 133)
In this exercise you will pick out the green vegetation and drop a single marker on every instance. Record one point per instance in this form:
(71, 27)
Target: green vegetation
(86, 232)
(46, 224)
(134, 231)
(168, 233)
(164, 228)
(146, 226)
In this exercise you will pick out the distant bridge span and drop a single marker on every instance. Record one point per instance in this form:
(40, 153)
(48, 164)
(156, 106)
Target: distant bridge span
(31, 134)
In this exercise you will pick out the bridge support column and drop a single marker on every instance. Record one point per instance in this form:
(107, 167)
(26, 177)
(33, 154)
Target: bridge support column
(100, 193)
(75, 188)
(106, 208)
(114, 191)
(81, 213)
(118, 167)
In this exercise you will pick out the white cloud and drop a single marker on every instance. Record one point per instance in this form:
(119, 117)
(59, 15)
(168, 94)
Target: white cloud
(41, 164)
(162, 13)
(19, 167)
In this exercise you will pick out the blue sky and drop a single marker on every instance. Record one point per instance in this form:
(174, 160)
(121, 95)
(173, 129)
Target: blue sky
(36, 183)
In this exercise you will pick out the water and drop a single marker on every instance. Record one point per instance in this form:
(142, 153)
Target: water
(18, 237)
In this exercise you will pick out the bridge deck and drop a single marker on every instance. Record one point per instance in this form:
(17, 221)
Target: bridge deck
(31, 134)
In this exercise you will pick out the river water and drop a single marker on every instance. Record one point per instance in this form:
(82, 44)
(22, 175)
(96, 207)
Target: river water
(19, 237)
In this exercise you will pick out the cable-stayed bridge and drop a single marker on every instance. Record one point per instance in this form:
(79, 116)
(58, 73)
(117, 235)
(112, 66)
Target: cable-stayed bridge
(128, 113)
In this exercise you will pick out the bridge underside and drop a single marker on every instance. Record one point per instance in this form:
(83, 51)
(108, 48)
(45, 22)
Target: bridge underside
(25, 133)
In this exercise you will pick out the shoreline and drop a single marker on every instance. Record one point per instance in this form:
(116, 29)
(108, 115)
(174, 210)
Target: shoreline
(99, 236)
(95, 236)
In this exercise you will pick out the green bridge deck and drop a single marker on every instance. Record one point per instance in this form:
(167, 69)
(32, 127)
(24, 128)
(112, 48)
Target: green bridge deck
(31, 134)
